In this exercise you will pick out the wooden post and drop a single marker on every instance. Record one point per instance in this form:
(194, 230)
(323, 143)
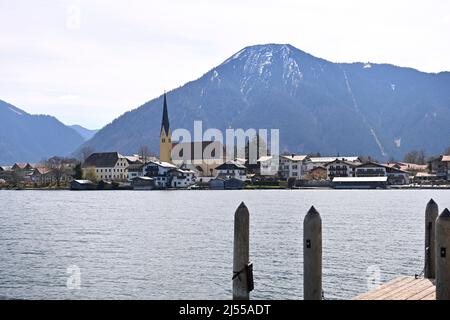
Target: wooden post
(443, 256)
(431, 213)
(241, 290)
(312, 255)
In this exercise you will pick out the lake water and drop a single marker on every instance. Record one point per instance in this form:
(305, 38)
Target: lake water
(178, 244)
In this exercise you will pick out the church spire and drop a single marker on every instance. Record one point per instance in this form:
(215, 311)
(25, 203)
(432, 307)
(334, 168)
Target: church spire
(165, 117)
(165, 141)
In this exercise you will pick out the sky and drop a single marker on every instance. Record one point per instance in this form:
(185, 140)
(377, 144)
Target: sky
(89, 61)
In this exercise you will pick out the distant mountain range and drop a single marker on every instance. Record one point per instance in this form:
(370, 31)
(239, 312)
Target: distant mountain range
(85, 133)
(31, 138)
(319, 106)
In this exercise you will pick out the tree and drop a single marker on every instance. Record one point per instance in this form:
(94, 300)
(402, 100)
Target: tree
(78, 172)
(90, 174)
(417, 157)
(59, 168)
(145, 153)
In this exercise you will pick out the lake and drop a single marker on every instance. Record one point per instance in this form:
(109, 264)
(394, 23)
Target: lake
(178, 244)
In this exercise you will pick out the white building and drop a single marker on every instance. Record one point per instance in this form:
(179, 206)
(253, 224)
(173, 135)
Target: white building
(160, 171)
(315, 162)
(232, 169)
(292, 166)
(107, 165)
(269, 165)
(182, 178)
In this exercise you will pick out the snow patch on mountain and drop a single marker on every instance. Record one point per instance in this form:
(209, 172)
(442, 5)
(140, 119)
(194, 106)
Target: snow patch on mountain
(15, 111)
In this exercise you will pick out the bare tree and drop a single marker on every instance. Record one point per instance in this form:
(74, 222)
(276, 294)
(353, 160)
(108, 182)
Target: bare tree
(59, 168)
(417, 157)
(145, 153)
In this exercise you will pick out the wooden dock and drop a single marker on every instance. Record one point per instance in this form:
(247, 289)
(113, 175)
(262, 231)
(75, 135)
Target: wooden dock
(403, 288)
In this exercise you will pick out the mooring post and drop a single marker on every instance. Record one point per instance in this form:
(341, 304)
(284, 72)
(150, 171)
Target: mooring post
(442, 256)
(312, 255)
(242, 280)
(431, 214)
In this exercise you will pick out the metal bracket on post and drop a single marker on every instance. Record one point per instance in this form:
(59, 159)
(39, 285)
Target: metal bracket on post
(250, 282)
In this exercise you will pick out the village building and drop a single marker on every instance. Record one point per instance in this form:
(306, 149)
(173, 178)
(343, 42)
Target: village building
(340, 168)
(110, 166)
(370, 169)
(292, 166)
(440, 166)
(42, 176)
(160, 171)
(135, 170)
(82, 185)
(268, 166)
(313, 162)
(232, 169)
(397, 176)
(143, 183)
(182, 178)
(23, 167)
(405, 166)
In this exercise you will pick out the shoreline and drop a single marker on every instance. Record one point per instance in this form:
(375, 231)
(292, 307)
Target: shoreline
(446, 187)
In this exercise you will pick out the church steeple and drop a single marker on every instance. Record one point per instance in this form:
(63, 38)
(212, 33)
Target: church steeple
(165, 118)
(165, 141)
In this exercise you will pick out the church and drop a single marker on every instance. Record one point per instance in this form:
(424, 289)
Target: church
(184, 155)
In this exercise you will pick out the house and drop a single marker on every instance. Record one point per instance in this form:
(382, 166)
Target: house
(160, 171)
(232, 169)
(397, 176)
(426, 177)
(42, 176)
(24, 167)
(405, 166)
(5, 168)
(268, 165)
(82, 185)
(110, 166)
(370, 169)
(340, 168)
(373, 169)
(182, 178)
(313, 162)
(6, 172)
(359, 182)
(440, 166)
(135, 170)
(292, 166)
(143, 183)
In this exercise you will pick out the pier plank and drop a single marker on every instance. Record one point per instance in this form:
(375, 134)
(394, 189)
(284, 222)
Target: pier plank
(403, 288)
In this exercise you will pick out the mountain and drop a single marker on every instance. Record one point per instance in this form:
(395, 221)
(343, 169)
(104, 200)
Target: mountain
(82, 131)
(30, 138)
(319, 106)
